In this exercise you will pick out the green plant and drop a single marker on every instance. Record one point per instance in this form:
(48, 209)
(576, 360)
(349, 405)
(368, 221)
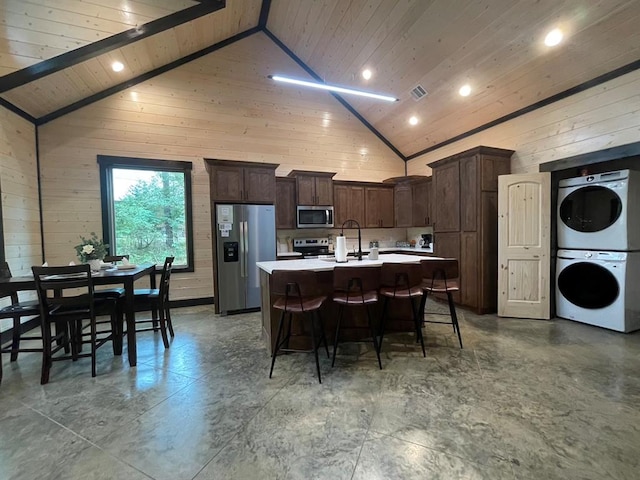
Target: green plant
(91, 249)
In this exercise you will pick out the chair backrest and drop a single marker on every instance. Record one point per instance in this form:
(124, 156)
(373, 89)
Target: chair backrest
(295, 286)
(441, 269)
(165, 278)
(5, 271)
(356, 279)
(114, 258)
(400, 275)
(64, 287)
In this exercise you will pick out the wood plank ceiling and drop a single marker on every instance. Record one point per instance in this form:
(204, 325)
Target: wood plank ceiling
(495, 46)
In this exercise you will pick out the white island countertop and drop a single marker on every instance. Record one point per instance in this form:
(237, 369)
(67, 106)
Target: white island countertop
(329, 263)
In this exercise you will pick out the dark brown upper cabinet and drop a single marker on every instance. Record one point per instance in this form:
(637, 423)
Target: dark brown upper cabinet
(422, 203)
(403, 200)
(285, 202)
(313, 188)
(242, 182)
(379, 206)
(348, 203)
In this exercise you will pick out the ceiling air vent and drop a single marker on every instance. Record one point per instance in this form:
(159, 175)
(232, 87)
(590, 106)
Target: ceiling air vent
(418, 92)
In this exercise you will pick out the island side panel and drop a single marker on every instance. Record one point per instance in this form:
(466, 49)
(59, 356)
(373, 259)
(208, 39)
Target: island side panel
(268, 333)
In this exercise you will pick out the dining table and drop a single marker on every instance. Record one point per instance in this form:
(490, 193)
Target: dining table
(125, 276)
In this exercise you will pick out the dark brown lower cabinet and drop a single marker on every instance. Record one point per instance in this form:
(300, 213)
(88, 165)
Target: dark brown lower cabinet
(447, 245)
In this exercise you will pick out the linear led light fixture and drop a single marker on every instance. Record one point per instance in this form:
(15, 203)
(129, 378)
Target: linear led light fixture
(332, 88)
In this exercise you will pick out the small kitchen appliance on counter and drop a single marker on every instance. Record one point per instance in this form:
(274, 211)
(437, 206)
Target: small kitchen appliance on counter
(426, 240)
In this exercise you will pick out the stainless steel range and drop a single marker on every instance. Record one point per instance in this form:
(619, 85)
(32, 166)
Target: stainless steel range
(311, 247)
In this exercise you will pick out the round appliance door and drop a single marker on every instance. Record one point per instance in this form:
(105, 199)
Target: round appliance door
(588, 285)
(590, 209)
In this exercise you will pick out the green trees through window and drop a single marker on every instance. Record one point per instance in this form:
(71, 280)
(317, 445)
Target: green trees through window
(148, 209)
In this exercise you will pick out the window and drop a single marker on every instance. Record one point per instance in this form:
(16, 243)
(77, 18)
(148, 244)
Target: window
(146, 209)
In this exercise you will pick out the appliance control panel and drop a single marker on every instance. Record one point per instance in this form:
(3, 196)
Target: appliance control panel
(311, 242)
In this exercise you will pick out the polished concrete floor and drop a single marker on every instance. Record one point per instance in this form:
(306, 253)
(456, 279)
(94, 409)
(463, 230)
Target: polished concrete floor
(524, 400)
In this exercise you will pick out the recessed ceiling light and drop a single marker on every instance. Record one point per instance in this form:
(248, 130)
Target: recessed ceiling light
(366, 74)
(413, 121)
(553, 38)
(465, 90)
(117, 66)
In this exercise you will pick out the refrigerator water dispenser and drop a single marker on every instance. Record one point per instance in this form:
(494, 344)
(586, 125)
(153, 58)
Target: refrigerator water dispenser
(230, 251)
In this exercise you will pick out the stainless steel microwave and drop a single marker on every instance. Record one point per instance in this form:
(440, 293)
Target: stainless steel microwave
(314, 216)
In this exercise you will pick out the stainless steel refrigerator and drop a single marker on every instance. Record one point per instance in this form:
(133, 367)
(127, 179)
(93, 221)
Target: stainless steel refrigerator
(246, 234)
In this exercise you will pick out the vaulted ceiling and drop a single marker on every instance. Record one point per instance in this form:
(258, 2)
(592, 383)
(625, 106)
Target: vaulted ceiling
(56, 56)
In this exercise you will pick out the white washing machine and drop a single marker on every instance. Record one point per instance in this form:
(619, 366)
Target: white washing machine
(600, 212)
(599, 288)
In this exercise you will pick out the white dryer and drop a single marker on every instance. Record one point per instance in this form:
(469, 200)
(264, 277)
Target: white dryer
(599, 288)
(600, 212)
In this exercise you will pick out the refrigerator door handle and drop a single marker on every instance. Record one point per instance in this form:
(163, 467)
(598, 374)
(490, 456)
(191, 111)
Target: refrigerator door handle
(245, 241)
(242, 247)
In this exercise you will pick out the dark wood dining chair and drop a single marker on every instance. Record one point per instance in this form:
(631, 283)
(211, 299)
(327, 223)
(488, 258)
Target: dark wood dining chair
(66, 299)
(298, 296)
(402, 282)
(356, 287)
(441, 277)
(16, 311)
(157, 300)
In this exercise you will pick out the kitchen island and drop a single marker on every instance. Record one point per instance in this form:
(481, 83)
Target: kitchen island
(400, 314)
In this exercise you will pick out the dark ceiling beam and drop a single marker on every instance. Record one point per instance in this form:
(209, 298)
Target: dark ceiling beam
(344, 103)
(264, 13)
(55, 64)
(542, 103)
(145, 76)
(18, 111)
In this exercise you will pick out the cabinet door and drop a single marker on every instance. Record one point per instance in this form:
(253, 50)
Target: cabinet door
(372, 207)
(378, 207)
(260, 184)
(403, 201)
(446, 198)
(341, 212)
(227, 184)
(324, 191)
(469, 201)
(469, 270)
(447, 245)
(356, 204)
(386, 207)
(285, 203)
(421, 201)
(306, 187)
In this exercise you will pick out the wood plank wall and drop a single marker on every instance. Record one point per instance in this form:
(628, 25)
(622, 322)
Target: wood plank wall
(601, 117)
(220, 106)
(20, 208)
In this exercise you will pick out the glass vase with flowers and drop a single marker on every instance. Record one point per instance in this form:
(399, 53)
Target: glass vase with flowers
(92, 250)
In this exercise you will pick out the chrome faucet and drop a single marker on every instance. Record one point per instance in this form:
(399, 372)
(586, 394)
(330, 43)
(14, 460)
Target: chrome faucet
(359, 236)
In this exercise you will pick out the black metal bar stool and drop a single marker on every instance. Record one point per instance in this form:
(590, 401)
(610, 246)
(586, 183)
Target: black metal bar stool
(402, 281)
(298, 294)
(441, 276)
(356, 287)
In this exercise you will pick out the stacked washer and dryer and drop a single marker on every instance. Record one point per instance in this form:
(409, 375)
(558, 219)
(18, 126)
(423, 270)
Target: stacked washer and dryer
(598, 258)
